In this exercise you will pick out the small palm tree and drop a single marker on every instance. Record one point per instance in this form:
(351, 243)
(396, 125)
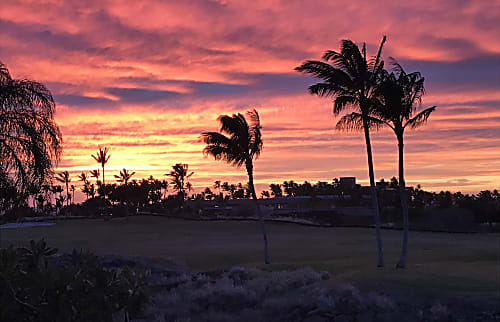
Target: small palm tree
(398, 97)
(102, 157)
(217, 185)
(72, 189)
(242, 144)
(63, 177)
(180, 175)
(96, 174)
(350, 78)
(189, 187)
(85, 179)
(164, 186)
(124, 176)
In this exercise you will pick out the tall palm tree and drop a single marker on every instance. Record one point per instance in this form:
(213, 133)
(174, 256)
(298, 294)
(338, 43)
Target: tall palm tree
(180, 175)
(124, 176)
(399, 95)
(350, 78)
(242, 144)
(63, 177)
(102, 157)
(30, 139)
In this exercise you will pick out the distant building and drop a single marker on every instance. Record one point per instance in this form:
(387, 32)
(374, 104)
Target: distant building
(348, 182)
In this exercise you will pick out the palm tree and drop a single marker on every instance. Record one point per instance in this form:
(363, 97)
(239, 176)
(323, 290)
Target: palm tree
(63, 177)
(102, 157)
(180, 175)
(189, 187)
(217, 185)
(85, 179)
(399, 95)
(72, 189)
(164, 186)
(351, 79)
(124, 176)
(96, 174)
(241, 146)
(30, 139)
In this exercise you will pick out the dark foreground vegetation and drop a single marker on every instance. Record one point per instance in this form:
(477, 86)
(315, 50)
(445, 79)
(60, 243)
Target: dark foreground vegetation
(38, 284)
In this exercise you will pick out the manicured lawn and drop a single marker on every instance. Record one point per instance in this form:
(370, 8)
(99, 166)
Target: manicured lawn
(439, 263)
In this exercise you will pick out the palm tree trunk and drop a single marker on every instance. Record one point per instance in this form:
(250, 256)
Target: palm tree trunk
(249, 167)
(373, 192)
(67, 194)
(404, 205)
(103, 181)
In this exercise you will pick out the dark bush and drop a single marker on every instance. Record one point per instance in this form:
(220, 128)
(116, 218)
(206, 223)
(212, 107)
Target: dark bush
(35, 285)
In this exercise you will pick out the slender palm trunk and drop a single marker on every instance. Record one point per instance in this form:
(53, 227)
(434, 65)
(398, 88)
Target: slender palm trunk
(103, 181)
(373, 193)
(404, 205)
(67, 194)
(249, 167)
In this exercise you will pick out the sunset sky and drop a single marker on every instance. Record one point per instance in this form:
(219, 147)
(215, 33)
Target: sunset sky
(145, 78)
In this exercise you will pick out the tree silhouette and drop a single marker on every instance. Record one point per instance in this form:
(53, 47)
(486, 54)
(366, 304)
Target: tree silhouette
(102, 157)
(350, 78)
(86, 184)
(276, 190)
(72, 189)
(96, 174)
(124, 176)
(217, 185)
(30, 139)
(242, 144)
(399, 95)
(180, 175)
(63, 177)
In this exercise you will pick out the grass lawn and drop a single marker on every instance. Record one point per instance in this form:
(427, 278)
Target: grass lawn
(439, 263)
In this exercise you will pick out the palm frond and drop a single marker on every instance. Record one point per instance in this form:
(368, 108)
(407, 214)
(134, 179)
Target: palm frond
(420, 118)
(353, 122)
(342, 102)
(253, 115)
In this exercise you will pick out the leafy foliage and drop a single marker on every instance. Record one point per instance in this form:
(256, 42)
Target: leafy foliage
(35, 285)
(29, 137)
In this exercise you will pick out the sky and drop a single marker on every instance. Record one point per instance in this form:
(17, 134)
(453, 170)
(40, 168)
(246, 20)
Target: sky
(145, 78)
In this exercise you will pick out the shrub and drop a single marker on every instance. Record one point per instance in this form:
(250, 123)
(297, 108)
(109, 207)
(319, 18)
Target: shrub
(35, 285)
(242, 294)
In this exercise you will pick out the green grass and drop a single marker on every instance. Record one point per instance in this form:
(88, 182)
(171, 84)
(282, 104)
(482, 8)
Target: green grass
(439, 263)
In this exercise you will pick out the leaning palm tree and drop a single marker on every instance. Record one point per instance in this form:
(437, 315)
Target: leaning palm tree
(124, 176)
(30, 139)
(350, 78)
(102, 158)
(399, 95)
(63, 177)
(242, 144)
